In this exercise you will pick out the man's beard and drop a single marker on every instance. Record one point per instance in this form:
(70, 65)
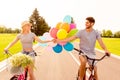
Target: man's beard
(88, 27)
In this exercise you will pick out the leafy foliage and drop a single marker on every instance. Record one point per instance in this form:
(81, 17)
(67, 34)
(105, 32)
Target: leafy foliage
(117, 34)
(39, 25)
(22, 60)
(107, 33)
(3, 29)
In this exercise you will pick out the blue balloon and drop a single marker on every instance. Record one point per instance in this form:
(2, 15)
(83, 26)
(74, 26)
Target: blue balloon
(68, 46)
(57, 48)
(42, 44)
(67, 19)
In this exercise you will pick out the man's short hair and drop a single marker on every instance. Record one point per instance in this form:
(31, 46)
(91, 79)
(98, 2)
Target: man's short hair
(90, 19)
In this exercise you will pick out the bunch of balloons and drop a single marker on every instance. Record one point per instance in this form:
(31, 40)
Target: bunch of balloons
(63, 30)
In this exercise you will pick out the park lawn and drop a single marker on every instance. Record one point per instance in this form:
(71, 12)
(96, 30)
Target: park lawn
(113, 45)
(5, 39)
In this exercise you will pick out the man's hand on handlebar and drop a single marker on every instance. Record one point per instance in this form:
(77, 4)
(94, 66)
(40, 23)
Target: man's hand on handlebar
(107, 53)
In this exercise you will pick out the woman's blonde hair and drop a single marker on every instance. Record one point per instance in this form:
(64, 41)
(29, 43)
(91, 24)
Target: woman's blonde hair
(24, 23)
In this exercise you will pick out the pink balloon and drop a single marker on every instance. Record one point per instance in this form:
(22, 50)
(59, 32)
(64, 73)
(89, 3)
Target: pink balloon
(72, 26)
(53, 32)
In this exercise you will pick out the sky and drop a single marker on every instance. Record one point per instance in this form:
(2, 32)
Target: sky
(105, 12)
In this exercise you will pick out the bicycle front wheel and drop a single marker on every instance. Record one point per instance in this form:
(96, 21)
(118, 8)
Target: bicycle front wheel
(91, 77)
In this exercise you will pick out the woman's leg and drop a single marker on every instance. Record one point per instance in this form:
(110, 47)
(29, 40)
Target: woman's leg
(31, 73)
(30, 68)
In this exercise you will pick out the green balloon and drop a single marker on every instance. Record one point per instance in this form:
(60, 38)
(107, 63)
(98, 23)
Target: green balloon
(72, 32)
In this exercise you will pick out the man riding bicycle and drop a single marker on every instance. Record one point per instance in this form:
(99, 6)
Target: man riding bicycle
(88, 37)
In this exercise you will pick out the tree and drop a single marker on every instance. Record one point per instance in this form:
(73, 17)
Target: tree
(39, 25)
(103, 33)
(108, 33)
(3, 29)
(117, 34)
(16, 31)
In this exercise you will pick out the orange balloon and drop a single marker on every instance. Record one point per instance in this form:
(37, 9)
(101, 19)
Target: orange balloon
(58, 25)
(65, 26)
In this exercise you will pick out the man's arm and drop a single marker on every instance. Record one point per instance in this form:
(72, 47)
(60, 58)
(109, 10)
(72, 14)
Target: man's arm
(103, 45)
(66, 39)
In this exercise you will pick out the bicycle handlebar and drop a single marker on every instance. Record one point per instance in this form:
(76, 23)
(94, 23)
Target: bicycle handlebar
(8, 53)
(80, 51)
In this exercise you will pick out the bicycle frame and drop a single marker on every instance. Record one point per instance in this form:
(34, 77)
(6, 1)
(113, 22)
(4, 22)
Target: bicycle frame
(20, 77)
(91, 68)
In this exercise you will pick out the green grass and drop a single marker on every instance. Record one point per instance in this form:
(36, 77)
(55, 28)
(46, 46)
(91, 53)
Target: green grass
(5, 39)
(113, 45)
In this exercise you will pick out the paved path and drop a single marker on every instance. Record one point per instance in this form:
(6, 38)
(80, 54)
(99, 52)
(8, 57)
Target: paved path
(52, 66)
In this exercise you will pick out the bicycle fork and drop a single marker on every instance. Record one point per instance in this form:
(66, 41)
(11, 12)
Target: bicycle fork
(92, 77)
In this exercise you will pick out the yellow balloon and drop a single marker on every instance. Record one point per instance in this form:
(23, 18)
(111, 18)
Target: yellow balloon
(58, 25)
(61, 34)
(65, 26)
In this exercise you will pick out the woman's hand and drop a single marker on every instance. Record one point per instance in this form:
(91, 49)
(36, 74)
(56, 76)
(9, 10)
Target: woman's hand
(6, 50)
(56, 40)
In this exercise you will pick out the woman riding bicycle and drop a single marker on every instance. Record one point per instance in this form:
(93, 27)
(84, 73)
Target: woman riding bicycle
(26, 37)
(88, 37)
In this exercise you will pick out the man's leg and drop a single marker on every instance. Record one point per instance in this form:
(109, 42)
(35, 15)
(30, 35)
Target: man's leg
(82, 67)
(95, 73)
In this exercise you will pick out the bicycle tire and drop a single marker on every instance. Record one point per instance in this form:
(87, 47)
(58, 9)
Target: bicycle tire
(91, 77)
(15, 77)
(26, 74)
